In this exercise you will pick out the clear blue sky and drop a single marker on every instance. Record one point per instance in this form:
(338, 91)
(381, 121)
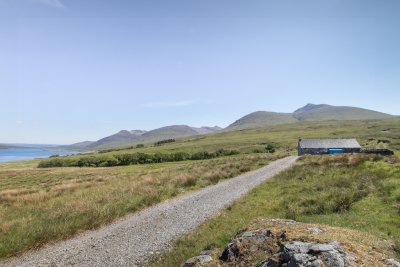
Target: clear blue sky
(74, 70)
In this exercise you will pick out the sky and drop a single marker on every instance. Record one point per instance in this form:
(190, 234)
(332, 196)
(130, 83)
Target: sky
(74, 70)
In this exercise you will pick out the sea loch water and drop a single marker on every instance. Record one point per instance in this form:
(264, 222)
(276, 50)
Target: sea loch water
(24, 153)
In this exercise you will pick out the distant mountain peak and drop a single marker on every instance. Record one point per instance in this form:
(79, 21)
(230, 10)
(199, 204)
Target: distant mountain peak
(138, 132)
(309, 107)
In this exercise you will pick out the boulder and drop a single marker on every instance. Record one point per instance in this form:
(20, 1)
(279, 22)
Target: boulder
(198, 260)
(309, 254)
(392, 263)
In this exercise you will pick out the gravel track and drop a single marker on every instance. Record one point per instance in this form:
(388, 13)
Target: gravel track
(133, 238)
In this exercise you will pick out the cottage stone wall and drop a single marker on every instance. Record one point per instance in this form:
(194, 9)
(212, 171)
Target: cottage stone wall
(321, 151)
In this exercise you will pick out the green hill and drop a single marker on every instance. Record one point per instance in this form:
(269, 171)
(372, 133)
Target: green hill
(168, 132)
(310, 112)
(313, 112)
(261, 119)
(127, 138)
(116, 140)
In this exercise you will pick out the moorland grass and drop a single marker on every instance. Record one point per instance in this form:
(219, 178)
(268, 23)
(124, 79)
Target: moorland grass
(38, 206)
(358, 192)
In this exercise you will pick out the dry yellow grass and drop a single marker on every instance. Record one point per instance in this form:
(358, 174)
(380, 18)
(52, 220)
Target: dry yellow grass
(64, 201)
(24, 195)
(71, 186)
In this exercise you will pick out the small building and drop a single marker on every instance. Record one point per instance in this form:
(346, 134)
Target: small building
(328, 146)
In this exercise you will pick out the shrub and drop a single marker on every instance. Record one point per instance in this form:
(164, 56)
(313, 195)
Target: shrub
(162, 157)
(159, 143)
(270, 148)
(87, 162)
(50, 163)
(201, 155)
(126, 159)
(107, 161)
(181, 156)
(259, 150)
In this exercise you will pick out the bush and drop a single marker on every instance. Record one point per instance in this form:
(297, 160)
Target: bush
(181, 156)
(159, 143)
(259, 150)
(270, 148)
(126, 159)
(201, 155)
(139, 145)
(87, 162)
(50, 163)
(161, 157)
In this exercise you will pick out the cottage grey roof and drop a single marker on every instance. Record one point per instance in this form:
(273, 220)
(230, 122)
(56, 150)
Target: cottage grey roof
(329, 143)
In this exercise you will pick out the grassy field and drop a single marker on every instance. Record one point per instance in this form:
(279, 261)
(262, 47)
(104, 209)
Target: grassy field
(42, 205)
(356, 192)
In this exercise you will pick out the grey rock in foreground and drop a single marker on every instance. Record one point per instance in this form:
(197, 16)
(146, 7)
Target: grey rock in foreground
(392, 263)
(309, 254)
(199, 260)
(130, 240)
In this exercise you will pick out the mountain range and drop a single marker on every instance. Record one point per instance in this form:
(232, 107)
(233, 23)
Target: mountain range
(124, 137)
(310, 112)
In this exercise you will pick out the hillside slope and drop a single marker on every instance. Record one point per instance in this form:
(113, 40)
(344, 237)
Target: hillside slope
(126, 138)
(261, 119)
(310, 112)
(119, 139)
(313, 112)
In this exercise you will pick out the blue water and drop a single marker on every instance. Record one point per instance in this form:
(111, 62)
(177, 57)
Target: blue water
(24, 153)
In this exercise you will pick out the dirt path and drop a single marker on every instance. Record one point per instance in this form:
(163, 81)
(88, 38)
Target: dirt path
(133, 238)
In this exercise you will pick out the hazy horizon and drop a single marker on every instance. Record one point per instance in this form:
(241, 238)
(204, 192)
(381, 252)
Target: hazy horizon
(81, 70)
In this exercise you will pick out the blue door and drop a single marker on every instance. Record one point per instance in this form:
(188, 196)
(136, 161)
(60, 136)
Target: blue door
(335, 151)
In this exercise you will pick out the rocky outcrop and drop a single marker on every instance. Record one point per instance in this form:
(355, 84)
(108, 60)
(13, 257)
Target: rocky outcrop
(284, 254)
(286, 243)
